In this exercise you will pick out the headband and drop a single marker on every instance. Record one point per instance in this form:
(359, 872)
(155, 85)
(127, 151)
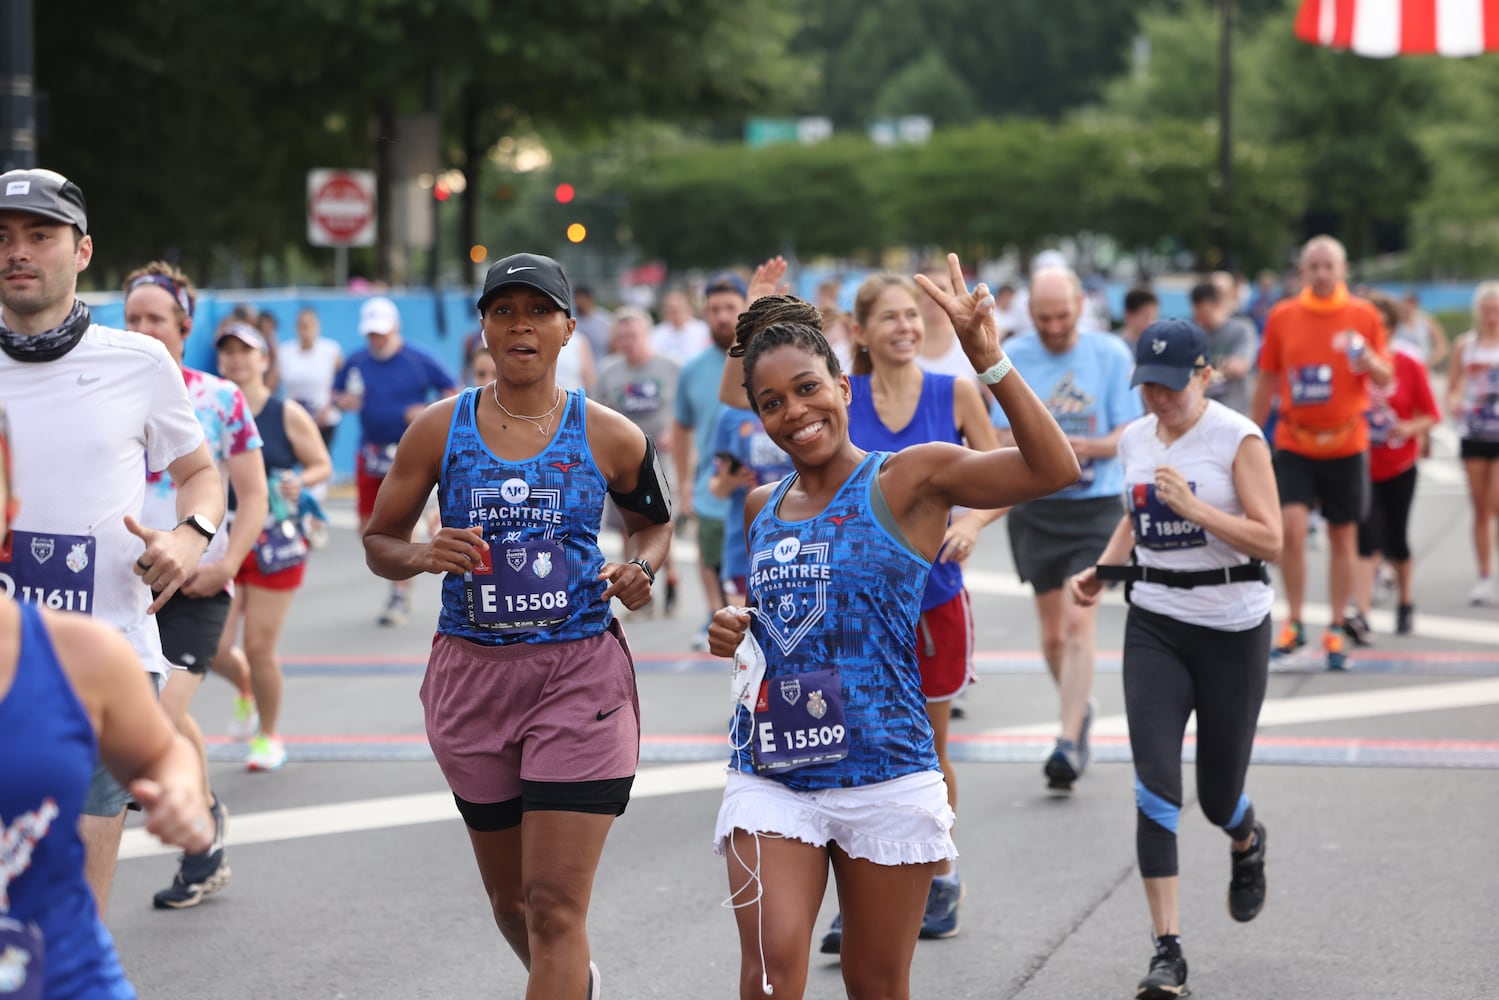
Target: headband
(184, 300)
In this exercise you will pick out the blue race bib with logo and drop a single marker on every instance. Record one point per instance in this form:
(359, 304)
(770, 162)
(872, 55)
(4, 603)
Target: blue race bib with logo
(1311, 385)
(1157, 526)
(519, 585)
(52, 571)
(799, 721)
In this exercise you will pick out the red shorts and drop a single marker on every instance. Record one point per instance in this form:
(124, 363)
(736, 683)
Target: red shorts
(944, 648)
(288, 579)
(369, 487)
(559, 712)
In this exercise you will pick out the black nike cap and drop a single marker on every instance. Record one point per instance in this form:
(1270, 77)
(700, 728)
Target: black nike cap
(532, 270)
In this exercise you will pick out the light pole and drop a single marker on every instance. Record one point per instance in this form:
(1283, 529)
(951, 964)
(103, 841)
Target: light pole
(17, 90)
(1225, 127)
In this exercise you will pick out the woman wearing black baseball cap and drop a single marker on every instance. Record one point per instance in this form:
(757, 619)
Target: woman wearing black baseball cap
(530, 700)
(1202, 517)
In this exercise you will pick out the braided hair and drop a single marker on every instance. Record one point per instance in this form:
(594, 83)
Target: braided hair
(769, 310)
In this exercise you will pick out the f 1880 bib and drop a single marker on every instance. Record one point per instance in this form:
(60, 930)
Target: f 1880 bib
(1157, 526)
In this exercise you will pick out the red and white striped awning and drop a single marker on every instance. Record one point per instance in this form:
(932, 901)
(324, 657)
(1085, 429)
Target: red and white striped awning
(1384, 28)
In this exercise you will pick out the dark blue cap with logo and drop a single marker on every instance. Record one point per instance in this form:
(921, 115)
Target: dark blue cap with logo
(532, 270)
(726, 281)
(1169, 352)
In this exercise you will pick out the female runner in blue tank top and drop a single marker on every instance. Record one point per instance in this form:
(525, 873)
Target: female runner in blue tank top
(834, 763)
(70, 693)
(529, 696)
(1202, 517)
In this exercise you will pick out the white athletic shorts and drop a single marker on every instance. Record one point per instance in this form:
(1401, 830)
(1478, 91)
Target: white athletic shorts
(900, 822)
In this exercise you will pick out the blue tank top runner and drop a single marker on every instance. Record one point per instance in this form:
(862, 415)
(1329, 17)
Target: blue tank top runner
(50, 932)
(541, 519)
(932, 421)
(840, 592)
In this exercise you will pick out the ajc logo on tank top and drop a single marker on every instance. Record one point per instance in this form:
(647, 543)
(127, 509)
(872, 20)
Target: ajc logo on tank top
(792, 581)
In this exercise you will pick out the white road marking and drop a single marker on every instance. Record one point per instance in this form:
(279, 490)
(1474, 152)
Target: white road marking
(400, 810)
(1320, 707)
(435, 807)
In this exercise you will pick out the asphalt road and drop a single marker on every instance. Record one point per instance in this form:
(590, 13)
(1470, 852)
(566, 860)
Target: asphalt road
(353, 877)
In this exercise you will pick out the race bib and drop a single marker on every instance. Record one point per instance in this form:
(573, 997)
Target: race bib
(1311, 385)
(519, 586)
(378, 458)
(1157, 526)
(49, 570)
(799, 721)
(1483, 419)
(280, 547)
(1087, 474)
(23, 960)
(1381, 426)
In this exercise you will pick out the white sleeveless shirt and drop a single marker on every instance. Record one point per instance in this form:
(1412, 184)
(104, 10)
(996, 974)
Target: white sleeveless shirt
(1164, 540)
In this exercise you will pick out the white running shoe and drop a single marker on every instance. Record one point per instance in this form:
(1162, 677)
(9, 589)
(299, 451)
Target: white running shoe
(266, 754)
(594, 986)
(246, 720)
(1482, 593)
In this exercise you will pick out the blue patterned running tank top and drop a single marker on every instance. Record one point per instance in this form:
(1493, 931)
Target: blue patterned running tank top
(932, 421)
(840, 590)
(541, 518)
(49, 748)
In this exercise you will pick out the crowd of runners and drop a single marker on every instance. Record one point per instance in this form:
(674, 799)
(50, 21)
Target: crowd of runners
(836, 470)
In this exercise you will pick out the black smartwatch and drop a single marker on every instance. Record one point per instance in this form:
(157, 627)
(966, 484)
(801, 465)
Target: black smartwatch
(201, 525)
(645, 567)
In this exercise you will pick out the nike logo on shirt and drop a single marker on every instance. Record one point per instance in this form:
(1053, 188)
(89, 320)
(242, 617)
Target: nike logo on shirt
(601, 715)
(85, 380)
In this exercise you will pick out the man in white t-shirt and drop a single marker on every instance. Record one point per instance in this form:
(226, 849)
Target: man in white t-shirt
(87, 403)
(680, 335)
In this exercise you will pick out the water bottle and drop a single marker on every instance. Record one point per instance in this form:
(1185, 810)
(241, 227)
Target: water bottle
(277, 501)
(1355, 346)
(354, 384)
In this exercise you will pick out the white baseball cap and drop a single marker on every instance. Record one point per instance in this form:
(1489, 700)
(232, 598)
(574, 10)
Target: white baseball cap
(378, 315)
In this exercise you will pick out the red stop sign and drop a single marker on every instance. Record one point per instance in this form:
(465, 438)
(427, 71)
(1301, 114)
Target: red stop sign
(340, 208)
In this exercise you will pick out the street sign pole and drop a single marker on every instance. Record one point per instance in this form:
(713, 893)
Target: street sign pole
(341, 265)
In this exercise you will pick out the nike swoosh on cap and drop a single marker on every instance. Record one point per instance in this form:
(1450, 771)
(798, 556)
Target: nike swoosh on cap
(512, 270)
(83, 380)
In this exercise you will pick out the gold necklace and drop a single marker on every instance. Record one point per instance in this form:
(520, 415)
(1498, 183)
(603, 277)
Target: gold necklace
(535, 421)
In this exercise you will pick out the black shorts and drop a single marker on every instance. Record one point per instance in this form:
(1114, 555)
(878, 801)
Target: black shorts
(1486, 451)
(1053, 539)
(1340, 486)
(190, 628)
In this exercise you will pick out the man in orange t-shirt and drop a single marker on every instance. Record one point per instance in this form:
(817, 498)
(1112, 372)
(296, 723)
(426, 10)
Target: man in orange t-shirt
(1320, 351)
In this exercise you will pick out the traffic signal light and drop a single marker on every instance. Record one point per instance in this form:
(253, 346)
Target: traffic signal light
(565, 193)
(577, 232)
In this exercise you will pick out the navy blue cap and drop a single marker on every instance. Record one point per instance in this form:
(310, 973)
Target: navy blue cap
(532, 270)
(726, 281)
(1168, 352)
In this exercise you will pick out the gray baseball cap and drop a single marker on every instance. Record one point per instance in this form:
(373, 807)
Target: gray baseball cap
(46, 193)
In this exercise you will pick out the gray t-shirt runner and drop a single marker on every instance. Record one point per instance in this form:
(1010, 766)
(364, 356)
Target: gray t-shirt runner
(1236, 338)
(645, 394)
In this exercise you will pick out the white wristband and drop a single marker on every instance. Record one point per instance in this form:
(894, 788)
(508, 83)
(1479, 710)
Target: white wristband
(999, 371)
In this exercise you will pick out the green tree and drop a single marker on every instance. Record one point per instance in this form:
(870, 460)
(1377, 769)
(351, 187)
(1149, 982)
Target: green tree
(191, 126)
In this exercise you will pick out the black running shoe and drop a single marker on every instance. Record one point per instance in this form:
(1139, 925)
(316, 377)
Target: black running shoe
(1167, 978)
(671, 596)
(1405, 616)
(1246, 884)
(1356, 627)
(199, 875)
(832, 941)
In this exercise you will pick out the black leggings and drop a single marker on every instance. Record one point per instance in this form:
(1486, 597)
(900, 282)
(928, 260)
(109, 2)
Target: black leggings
(1384, 531)
(1170, 670)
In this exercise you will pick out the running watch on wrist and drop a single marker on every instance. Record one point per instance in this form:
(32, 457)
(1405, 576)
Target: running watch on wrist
(645, 567)
(201, 525)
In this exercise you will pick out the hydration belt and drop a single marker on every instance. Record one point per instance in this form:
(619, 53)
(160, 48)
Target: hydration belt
(1253, 571)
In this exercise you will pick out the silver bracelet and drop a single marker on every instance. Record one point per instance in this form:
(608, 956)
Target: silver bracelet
(999, 371)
